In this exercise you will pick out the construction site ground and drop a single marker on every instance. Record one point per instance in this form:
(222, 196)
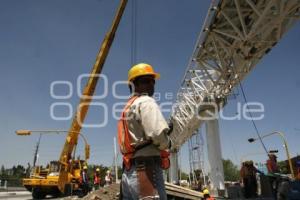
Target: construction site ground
(105, 193)
(112, 192)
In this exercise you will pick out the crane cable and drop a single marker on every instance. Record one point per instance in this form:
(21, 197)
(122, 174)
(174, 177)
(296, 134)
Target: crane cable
(133, 31)
(253, 123)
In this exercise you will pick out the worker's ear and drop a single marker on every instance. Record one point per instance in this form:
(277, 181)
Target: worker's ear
(131, 86)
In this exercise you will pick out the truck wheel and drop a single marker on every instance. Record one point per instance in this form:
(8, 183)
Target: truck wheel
(37, 193)
(68, 190)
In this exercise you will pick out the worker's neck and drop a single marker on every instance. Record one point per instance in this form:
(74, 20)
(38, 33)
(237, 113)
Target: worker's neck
(140, 94)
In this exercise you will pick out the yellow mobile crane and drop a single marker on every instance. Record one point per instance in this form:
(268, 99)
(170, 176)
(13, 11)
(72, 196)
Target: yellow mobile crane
(62, 176)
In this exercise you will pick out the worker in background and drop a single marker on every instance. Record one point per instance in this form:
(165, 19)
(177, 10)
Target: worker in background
(272, 164)
(108, 178)
(84, 180)
(143, 138)
(244, 176)
(272, 170)
(298, 168)
(253, 178)
(206, 195)
(97, 179)
(248, 175)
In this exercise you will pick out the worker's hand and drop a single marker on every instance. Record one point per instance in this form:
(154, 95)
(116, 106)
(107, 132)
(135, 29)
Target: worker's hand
(170, 124)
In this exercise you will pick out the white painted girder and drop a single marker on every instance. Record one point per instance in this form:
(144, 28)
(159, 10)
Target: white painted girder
(235, 37)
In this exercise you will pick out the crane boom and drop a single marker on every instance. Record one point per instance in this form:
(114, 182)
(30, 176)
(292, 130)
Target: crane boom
(89, 89)
(85, 100)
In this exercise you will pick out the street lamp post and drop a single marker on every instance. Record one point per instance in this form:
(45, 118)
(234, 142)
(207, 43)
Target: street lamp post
(28, 132)
(285, 145)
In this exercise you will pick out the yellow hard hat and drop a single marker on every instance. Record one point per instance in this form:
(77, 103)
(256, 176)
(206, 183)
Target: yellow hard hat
(97, 170)
(205, 191)
(84, 167)
(141, 69)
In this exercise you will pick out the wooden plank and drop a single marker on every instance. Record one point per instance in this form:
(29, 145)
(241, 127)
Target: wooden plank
(178, 191)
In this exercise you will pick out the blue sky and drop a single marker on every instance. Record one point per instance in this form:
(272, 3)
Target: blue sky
(46, 41)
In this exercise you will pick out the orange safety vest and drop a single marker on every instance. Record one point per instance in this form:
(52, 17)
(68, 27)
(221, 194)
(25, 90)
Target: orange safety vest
(96, 179)
(124, 140)
(272, 166)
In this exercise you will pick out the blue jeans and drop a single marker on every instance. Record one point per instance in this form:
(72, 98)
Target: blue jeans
(130, 187)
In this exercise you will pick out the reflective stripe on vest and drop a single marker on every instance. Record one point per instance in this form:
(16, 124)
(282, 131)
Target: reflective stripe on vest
(123, 132)
(96, 179)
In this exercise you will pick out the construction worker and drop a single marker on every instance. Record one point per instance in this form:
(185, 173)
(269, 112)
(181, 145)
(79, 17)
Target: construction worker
(108, 178)
(206, 195)
(298, 168)
(248, 175)
(272, 170)
(97, 179)
(84, 180)
(272, 164)
(143, 137)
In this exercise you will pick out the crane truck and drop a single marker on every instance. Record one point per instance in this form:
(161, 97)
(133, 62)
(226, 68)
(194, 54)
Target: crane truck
(62, 176)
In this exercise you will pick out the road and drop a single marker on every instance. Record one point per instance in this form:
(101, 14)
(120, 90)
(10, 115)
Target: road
(15, 195)
(21, 195)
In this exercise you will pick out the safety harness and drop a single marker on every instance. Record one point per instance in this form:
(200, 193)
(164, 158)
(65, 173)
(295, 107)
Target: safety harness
(124, 140)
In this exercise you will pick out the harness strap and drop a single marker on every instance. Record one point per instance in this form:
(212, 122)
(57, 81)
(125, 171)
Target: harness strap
(124, 136)
(125, 141)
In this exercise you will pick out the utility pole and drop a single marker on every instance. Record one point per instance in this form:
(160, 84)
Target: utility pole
(115, 160)
(36, 150)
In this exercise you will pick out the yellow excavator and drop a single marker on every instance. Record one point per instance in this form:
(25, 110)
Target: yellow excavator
(62, 177)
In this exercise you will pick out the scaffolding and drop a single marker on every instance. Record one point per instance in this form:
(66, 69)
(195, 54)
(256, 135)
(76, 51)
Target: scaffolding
(196, 160)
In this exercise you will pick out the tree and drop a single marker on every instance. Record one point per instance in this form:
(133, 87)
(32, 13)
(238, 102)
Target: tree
(231, 172)
(2, 172)
(283, 167)
(184, 176)
(18, 171)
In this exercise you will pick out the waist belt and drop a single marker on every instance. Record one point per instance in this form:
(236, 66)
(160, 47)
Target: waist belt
(147, 160)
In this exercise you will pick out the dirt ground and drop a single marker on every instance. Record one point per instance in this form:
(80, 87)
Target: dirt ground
(106, 193)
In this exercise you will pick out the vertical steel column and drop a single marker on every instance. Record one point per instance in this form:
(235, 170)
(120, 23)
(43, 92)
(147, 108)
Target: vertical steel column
(214, 155)
(173, 171)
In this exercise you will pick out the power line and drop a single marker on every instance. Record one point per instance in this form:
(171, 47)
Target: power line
(250, 113)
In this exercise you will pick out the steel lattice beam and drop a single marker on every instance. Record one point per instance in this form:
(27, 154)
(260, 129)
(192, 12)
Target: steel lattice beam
(235, 37)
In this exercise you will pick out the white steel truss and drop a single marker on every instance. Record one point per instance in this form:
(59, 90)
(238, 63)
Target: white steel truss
(196, 158)
(235, 37)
